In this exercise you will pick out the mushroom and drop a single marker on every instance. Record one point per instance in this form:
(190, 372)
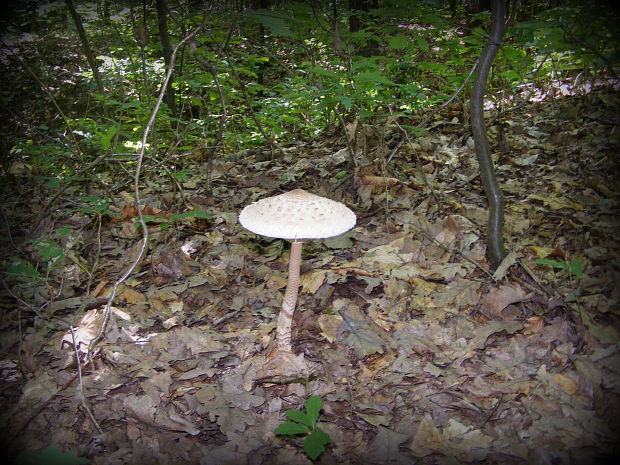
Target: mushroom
(295, 215)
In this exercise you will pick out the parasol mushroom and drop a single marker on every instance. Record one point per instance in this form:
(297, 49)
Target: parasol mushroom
(295, 215)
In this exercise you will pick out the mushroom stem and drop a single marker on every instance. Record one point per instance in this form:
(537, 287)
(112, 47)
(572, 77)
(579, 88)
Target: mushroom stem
(285, 318)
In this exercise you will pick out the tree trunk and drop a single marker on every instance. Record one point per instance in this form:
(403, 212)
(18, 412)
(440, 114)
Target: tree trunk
(358, 12)
(495, 246)
(103, 10)
(87, 51)
(260, 41)
(162, 23)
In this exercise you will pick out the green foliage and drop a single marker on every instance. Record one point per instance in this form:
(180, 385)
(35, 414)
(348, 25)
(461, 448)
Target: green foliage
(46, 255)
(575, 36)
(183, 175)
(166, 221)
(49, 158)
(48, 250)
(94, 205)
(21, 270)
(305, 423)
(294, 82)
(572, 267)
(295, 79)
(52, 455)
(275, 21)
(105, 137)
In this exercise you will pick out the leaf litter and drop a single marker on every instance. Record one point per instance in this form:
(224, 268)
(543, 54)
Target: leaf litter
(423, 356)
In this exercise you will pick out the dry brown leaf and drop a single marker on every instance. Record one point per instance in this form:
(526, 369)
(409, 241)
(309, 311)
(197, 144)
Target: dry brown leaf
(311, 281)
(144, 409)
(533, 325)
(556, 202)
(276, 282)
(329, 325)
(98, 290)
(133, 297)
(566, 383)
(427, 439)
(498, 298)
(284, 363)
(85, 331)
(197, 340)
(379, 180)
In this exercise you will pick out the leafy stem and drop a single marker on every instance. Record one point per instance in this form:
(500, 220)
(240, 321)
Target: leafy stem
(305, 423)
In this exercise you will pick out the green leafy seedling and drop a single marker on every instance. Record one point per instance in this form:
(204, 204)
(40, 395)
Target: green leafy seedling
(21, 270)
(573, 267)
(95, 205)
(183, 175)
(305, 423)
(105, 138)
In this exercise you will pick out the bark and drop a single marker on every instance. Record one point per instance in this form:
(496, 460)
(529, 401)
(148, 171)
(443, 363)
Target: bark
(285, 318)
(263, 66)
(162, 24)
(211, 151)
(358, 11)
(494, 236)
(92, 62)
(103, 9)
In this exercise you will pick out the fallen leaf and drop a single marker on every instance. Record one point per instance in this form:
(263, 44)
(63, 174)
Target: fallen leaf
(427, 439)
(311, 281)
(198, 340)
(329, 325)
(385, 448)
(566, 383)
(361, 334)
(556, 203)
(534, 325)
(133, 297)
(84, 332)
(275, 282)
(144, 409)
(492, 327)
(500, 297)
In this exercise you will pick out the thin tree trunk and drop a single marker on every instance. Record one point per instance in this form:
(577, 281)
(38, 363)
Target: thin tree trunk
(162, 23)
(495, 241)
(140, 35)
(358, 11)
(260, 42)
(103, 10)
(87, 51)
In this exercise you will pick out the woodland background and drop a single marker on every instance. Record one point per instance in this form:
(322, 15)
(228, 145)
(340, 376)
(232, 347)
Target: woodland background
(137, 312)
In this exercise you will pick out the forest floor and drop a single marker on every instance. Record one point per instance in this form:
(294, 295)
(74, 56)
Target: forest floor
(422, 355)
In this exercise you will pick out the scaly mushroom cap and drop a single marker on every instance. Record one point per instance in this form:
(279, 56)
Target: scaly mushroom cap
(297, 215)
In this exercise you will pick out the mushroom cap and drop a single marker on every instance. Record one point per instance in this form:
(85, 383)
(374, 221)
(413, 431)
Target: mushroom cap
(297, 215)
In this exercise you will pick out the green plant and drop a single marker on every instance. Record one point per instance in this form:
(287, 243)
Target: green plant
(46, 253)
(573, 267)
(183, 175)
(49, 456)
(94, 205)
(305, 423)
(49, 252)
(22, 271)
(165, 221)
